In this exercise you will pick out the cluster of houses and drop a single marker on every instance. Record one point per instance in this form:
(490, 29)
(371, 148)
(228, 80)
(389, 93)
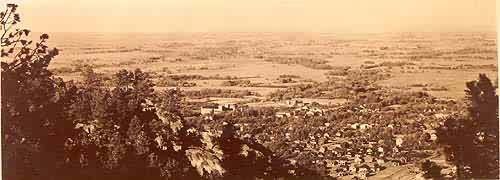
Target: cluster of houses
(297, 108)
(341, 160)
(341, 154)
(300, 108)
(351, 156)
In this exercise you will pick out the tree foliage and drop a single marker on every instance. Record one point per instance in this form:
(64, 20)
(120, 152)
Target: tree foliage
(33, 125)
(470, 141)
(54, 129)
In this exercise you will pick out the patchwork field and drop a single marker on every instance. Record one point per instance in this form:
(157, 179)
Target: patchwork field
(438, 63)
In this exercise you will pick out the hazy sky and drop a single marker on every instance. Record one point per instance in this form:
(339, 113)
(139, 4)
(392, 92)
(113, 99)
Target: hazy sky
(257, 15)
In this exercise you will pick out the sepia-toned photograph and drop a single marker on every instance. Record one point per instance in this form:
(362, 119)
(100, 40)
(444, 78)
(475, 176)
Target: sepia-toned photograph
(249, 89)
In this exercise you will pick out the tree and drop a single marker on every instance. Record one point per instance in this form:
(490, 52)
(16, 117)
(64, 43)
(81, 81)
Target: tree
(470, 141)
(34, 125)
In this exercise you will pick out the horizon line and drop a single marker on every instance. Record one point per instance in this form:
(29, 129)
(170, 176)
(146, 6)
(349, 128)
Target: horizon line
(277, 32)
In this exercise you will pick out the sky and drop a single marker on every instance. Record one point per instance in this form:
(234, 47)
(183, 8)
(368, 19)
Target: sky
(341, 16)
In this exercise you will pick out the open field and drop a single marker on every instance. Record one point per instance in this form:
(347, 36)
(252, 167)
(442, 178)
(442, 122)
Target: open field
(440, 61)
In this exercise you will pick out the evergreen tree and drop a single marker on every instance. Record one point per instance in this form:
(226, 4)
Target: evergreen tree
(471, 141)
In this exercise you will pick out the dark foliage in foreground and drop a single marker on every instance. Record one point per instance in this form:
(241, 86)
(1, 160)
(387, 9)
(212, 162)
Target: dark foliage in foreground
(470, 140)
(83, 130)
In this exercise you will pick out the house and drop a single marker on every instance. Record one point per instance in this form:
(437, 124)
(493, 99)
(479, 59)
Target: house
(369, 151)
(433, 137)
(380, 162)
(211, 109)
(380, 149)
(294, 102)
(394, 163)
(358, 160)
(354, 126)
(395, 149)
(432, 134)
(364, 126)
(441, 116)
(317, 111)
(89, 128)
(399, 141)
(229, 106)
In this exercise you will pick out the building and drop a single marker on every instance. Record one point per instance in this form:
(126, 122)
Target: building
(89, 128)
(211, 109)
(294, 103)
(365, 126)
(432, 134)
(433, 137)
(218, 108)
(399, 140)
